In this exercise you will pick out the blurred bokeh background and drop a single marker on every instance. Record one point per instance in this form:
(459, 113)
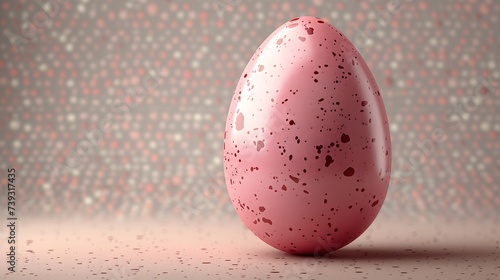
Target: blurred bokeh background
(117, 108)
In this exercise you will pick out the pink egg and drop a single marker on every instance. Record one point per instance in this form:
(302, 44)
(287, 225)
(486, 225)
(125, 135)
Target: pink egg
(307, 150)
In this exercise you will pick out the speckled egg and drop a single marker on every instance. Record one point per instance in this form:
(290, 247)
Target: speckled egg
(307, 151)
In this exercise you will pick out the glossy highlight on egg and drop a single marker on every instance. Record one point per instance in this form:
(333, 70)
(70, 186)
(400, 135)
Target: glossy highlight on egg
(307, 150)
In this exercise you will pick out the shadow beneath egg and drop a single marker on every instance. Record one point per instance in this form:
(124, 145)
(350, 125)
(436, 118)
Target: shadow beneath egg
(415, 253)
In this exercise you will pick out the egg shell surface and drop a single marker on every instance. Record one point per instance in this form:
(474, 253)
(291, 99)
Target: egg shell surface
(307, 150)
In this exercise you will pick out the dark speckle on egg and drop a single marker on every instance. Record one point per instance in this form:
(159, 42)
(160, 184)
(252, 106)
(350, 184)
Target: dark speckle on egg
(267, 221)
(240, 121)
(349, 172)
(328, 160)
(345, 138)
(260, 145)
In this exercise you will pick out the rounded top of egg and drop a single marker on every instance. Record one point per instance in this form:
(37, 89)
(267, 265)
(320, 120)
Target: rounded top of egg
(307, 152)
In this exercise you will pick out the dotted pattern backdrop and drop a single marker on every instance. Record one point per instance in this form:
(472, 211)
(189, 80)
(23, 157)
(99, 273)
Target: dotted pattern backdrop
(118, 107)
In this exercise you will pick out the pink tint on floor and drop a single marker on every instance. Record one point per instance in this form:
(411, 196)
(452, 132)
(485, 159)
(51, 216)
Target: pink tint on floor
(390, 249)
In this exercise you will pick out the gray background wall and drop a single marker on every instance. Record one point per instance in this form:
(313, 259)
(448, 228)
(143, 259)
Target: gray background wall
(117, 108)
